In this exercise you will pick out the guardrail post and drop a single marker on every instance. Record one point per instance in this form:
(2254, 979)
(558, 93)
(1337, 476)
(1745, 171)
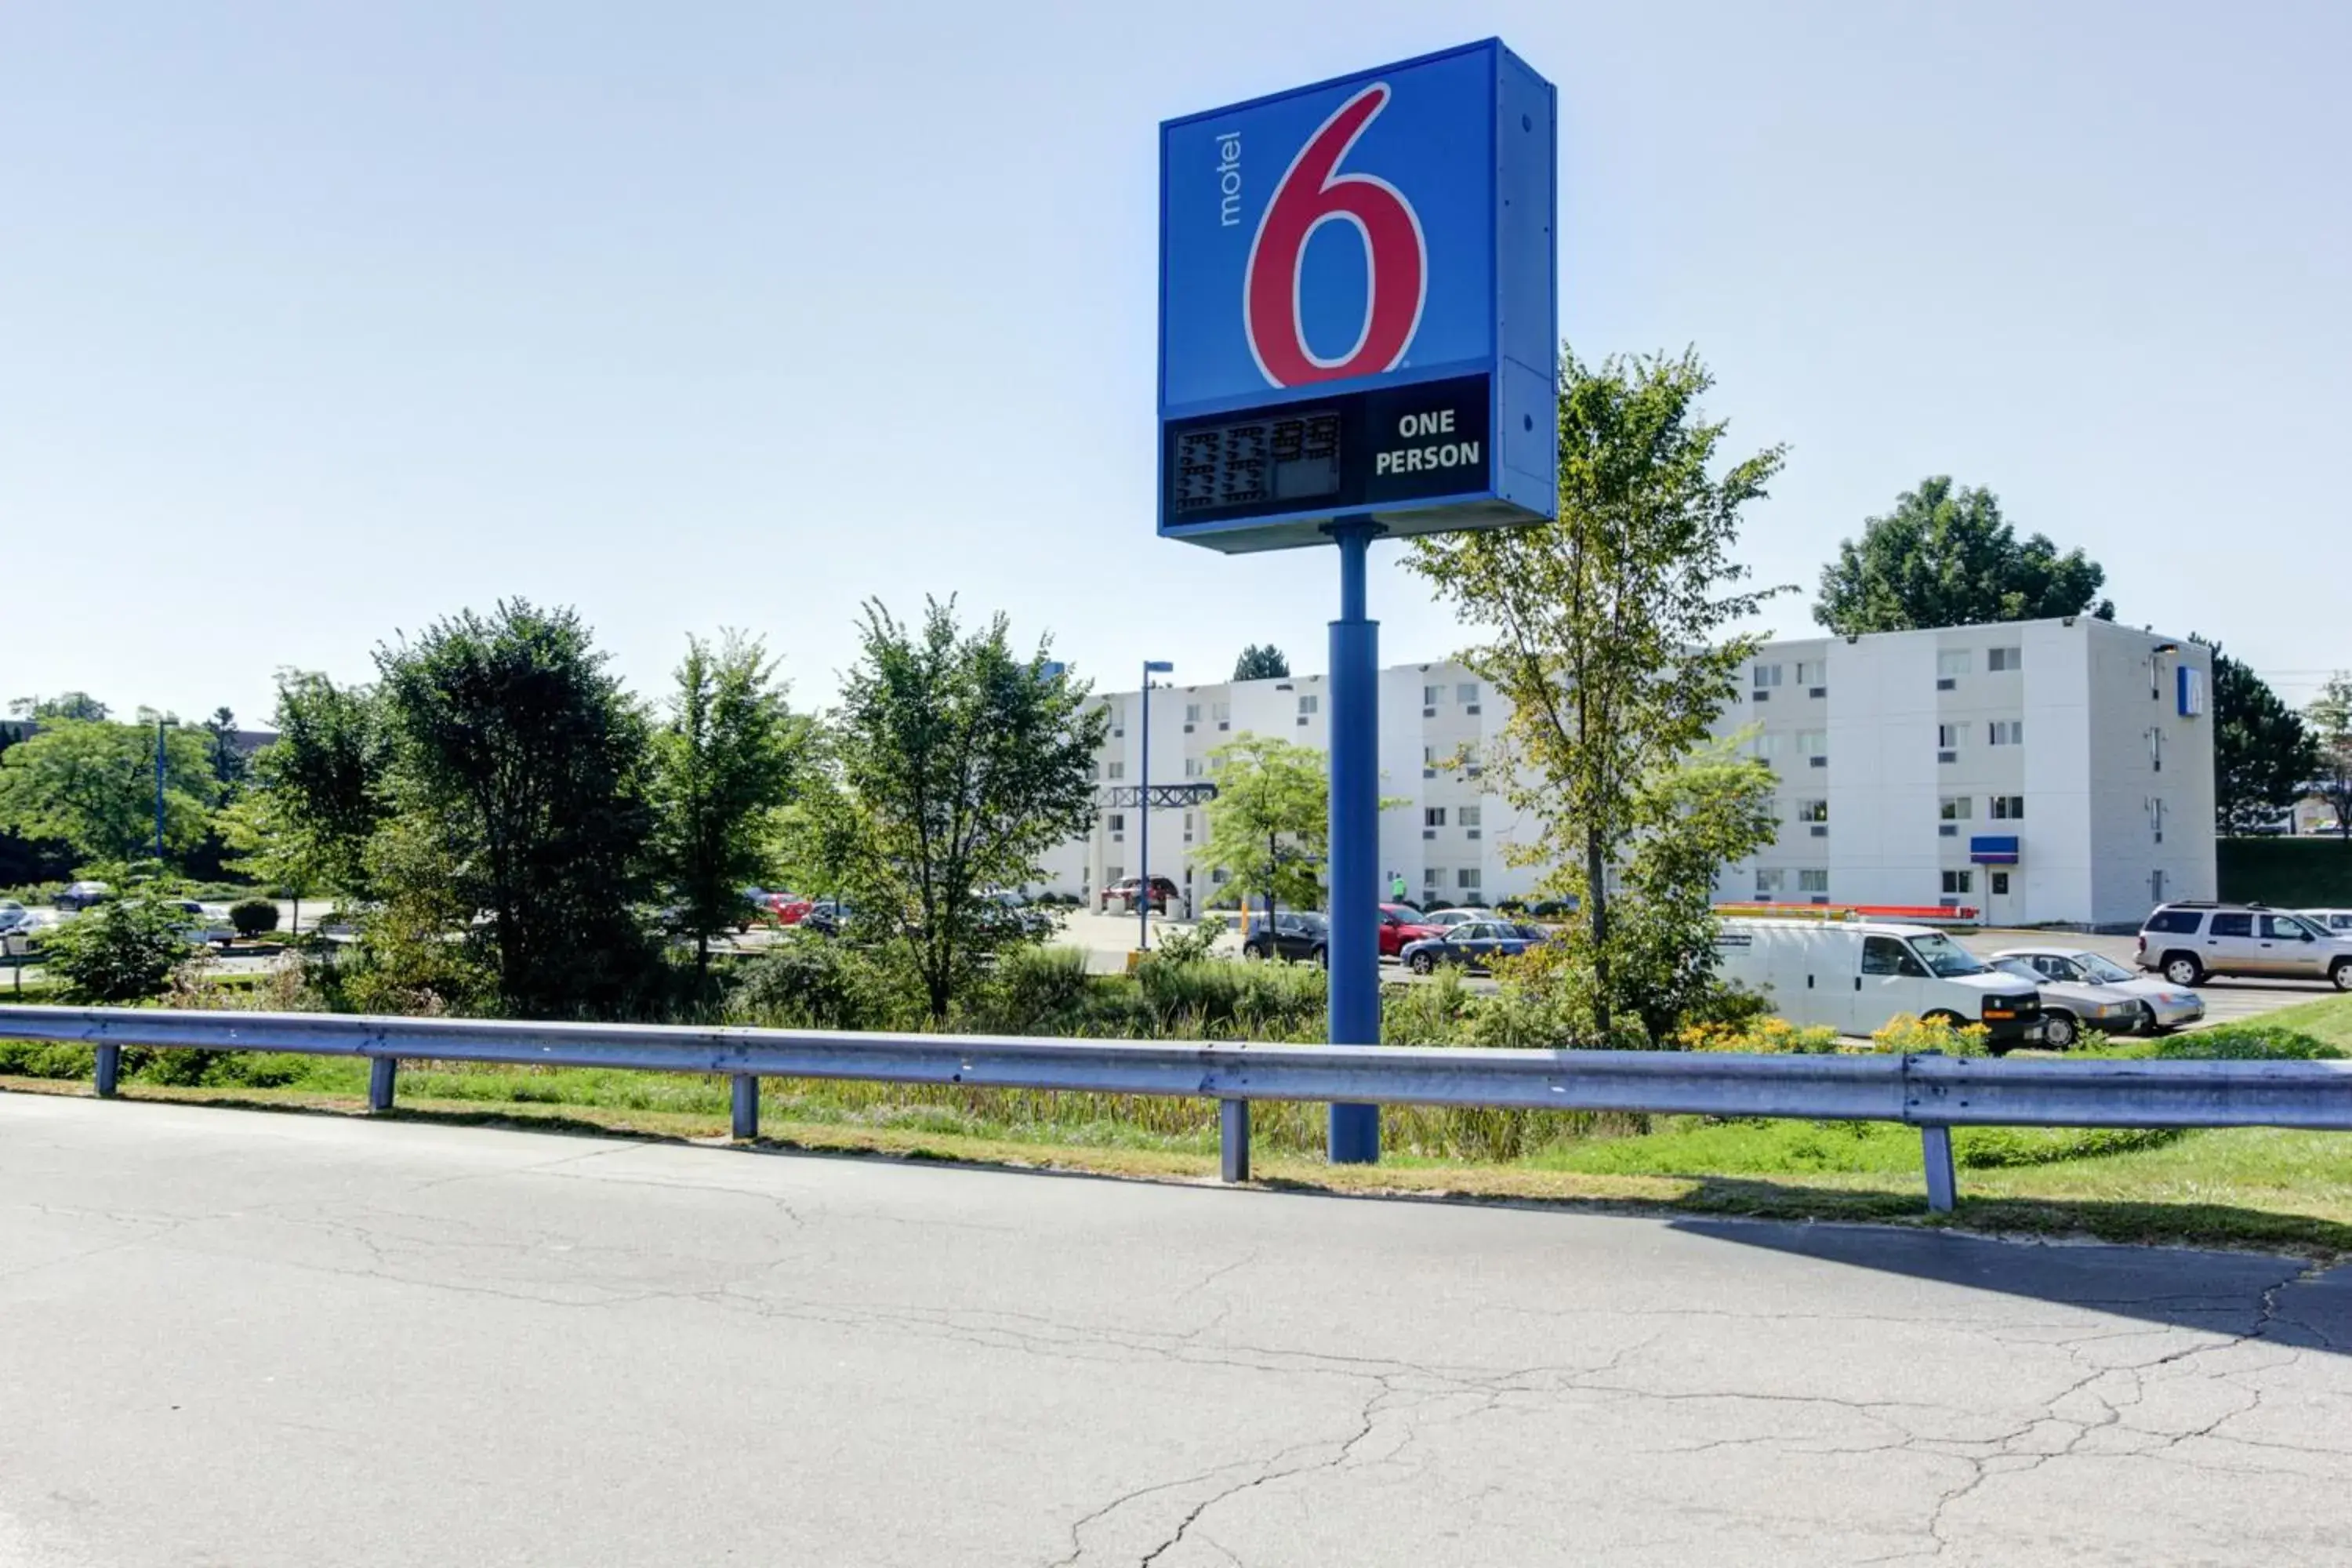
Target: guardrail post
(383, 1072)
(110, 1068)
(1233, 1139)
(747, 1106)
(1936, 1153)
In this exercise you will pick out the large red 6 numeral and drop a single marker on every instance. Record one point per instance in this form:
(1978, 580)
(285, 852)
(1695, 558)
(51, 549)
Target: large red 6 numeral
(1396, 259)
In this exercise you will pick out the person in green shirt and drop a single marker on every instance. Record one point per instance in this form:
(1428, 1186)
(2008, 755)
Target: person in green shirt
(1396, 887)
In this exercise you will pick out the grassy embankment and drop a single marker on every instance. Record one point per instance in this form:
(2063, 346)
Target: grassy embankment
(2248, 1187)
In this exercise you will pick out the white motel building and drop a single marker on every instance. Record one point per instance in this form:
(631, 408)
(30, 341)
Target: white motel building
(2056, 772)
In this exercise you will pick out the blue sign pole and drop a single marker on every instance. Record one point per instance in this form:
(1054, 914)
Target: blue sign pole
(1358, 315)
(1355, 950)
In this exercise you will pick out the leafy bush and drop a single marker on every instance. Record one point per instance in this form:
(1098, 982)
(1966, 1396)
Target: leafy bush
(1773, 1036)
(1903, 1033)
(1190, 945)
(809, 983)
(1038, 991)
(251, 917)
(119, 951)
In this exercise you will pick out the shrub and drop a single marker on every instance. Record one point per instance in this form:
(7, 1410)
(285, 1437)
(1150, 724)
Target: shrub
(119, 951)
(1219, 999)
(1773, 1036)
(251, 917)
(1438, 1012)
(1190, 945)
(1037, 991)
(1907, 1034)
(811, 982)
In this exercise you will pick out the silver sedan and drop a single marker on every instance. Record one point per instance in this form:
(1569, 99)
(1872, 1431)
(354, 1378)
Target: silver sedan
(2163, 1005)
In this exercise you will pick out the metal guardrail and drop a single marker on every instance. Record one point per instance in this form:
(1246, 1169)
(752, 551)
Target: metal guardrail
(1934, 1093)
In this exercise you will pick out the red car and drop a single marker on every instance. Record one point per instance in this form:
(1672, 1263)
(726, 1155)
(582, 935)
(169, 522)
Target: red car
(1400, 923)
(791, 907)
(1127, 889)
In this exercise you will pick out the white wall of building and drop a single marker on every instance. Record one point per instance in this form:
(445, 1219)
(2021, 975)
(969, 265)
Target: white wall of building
(2065, 732)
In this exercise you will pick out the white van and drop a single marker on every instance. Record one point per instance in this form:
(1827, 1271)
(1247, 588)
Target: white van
(1853, 976)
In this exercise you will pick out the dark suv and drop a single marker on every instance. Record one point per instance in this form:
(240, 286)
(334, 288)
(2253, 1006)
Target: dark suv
(2188, 941)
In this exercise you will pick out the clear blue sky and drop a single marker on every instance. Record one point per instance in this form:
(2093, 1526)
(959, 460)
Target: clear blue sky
(319, 321)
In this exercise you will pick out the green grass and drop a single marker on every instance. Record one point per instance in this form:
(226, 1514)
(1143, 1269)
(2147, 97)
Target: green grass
(2328, 1020)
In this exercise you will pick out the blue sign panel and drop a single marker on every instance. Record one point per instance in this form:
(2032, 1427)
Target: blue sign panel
(1993, 849)
(1358, 305)
(2189, 687)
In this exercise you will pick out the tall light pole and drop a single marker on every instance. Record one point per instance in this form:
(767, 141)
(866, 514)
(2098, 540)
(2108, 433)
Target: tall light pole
(158, 794)
(1151, 667)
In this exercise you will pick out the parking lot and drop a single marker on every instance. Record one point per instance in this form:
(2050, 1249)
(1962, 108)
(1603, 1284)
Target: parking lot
(1107, 938)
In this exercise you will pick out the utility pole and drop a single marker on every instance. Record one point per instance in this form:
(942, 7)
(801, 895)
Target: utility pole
(1151, 667)
(159, 791)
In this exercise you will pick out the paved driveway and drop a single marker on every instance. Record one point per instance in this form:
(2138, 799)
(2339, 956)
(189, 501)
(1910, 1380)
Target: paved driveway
(281, 1341)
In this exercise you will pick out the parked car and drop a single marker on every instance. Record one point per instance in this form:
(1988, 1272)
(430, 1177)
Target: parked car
(2163, 1005)
(200, 927)
(1127, 889)
(2071, 1006)
(1297, 935)
(1471, 944)
(2336, 923)
(1443, 920)
(827, 916)
(82, 895)
(14, 918)
(2186, 941)
(774, 904)
(1400, 924)
(1854, 976)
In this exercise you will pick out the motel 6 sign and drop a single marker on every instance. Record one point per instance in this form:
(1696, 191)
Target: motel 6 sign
(1359, 311)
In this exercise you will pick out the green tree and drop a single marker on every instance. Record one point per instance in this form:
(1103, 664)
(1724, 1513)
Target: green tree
(518, 768)
(1256, 663)
(91, 784)
(322, 789)
(229, 763)
(1610, 637)
(1713, 809)
(1945, 557)
(1269, 828)
(123, 951)
(2264, 757)
(722, 767)
(2330, 716)
(70, 705)
(957, 765)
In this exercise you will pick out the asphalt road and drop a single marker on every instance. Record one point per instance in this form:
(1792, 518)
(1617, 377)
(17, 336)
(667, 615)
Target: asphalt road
(237, 1338)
